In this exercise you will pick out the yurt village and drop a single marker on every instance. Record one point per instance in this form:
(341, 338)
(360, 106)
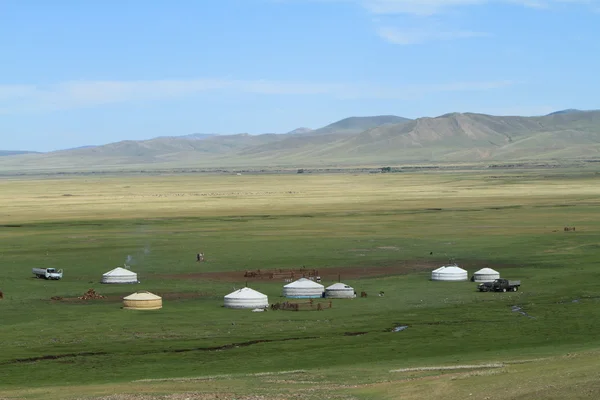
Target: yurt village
(305, 290)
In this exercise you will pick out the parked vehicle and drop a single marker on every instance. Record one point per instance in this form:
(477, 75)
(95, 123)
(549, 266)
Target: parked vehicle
(499, 285)
(48, 273)
(485, 287)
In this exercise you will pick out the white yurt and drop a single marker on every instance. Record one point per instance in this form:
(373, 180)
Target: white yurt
(449, 273)
(303, 289)
(486, 275)
(339, 291)
(246, 298)
(119, 275)
(142, 301)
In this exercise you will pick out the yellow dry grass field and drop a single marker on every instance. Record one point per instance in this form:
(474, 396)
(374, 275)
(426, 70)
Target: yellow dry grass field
(86, 198)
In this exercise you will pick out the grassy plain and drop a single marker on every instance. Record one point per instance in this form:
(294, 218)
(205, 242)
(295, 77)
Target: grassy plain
(511, 221)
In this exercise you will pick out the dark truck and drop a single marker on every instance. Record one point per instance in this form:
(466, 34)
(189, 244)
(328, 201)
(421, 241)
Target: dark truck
(499, 285)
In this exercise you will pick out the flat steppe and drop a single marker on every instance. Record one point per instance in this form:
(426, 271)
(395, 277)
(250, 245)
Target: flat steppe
(375, 232)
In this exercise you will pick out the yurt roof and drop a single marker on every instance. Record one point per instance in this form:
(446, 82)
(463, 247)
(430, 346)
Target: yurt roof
(486, 271)
(452, 269)
(304, 283)
(142, 296)
(339, 286)
(119, 272)
(245, 293)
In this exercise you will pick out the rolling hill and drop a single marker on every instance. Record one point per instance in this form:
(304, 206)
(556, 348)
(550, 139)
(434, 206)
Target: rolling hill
(348, 126)
(14, 152)
(455, 137)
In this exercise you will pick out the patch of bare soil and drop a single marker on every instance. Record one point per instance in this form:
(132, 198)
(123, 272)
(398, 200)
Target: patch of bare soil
(449, 367)
(119, 297)
(182, 296)
(350, 272)
(91, 295)
(80, 300)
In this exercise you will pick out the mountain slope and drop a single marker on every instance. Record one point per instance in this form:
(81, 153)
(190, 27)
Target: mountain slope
(466, 137)
(567, 111)
(14, 152)
(308, 141)
(357, 124)
(198, 136)
(169, 148)
(473, 137)
(299, 131)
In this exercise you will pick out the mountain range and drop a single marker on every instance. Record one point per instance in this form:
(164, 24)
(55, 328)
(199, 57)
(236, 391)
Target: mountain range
(385, 139)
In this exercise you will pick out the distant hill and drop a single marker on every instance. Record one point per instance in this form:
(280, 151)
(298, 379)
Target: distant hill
(14, 152)
(358, 124)
(168, 147)
(476, 137)
(568, 111)
(199, 136)
(299, 130)
(81, 147)
(454, 137)
(314, 140)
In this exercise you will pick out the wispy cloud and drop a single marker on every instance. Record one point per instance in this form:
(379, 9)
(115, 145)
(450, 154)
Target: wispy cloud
(431, 7)
(417, 36)
(81, 94)
(415, 7)
(421, 12)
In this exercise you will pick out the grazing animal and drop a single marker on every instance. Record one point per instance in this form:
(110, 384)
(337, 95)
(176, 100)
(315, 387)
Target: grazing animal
(363, 294)
(1, 295)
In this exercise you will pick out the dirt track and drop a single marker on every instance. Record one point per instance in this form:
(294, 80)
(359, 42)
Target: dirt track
(119, 297)
(399, 268)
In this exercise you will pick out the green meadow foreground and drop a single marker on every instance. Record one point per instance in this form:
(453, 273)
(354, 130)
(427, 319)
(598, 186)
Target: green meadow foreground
(377, 232)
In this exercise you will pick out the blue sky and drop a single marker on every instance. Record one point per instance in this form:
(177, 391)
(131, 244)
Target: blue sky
(78, 72)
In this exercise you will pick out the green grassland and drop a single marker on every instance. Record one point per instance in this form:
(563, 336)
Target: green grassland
(510, 221)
